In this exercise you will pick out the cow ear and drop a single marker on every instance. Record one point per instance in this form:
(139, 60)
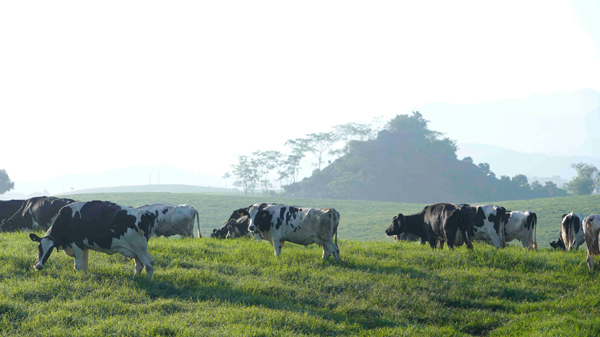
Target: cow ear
(242, 211)
(34, 237)
(564, 215)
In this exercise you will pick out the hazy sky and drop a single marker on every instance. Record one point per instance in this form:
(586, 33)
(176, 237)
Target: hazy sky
(90, 86)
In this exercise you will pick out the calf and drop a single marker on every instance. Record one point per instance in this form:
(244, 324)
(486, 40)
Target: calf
(34, 213)
(591, 228)
(279, 223)
(521, 225)
(174, 220)
(571, 232)
(435, 223)
(101, 226)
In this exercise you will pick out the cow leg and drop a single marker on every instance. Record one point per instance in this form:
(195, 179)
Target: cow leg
(143, 259)
(277, 245)
(78, 252)
(85, 259)
(138, 265)
(432, 242)
(441, 244)
(590, 262)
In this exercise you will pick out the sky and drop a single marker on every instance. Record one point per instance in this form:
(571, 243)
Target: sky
(87, 87)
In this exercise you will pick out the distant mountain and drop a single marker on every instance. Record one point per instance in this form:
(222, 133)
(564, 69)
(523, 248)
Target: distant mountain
(533, 165)
(158, 189)
(132, 176)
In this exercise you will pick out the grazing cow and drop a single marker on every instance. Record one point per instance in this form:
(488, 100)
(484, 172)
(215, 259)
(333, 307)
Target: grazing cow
(9, 207)
(34, 213)
(439, 222)
(486, 223)
(174, 220)
(571, 232)
(239, 227)
(591, 228)
(521, 225)
(101, 226)
(304, 226)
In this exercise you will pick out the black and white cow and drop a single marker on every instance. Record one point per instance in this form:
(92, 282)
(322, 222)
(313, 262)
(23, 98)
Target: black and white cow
(571, 232)
(9, 207)
(440, 222)
(237, 225)
(174, 220)
(34, 213)
(101, 226)
(304, 226)
(591, 228)
(521, 225)
(486, 223)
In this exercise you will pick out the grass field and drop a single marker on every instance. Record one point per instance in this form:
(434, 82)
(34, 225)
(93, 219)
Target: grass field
(237, 287)
(214, 287)
(360, 220)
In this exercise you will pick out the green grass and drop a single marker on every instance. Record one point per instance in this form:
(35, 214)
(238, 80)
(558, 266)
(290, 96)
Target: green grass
(237, 287)
(360, 220)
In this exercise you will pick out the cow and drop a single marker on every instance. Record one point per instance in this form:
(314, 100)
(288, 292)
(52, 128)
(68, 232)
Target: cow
(34, 213)
(521, 225)
(174, 220)
(301, 225)
(486, 223)
(239, 227)
(591, 229)
(439, 222)
(9, 207)
(101, 226)
(571, 232)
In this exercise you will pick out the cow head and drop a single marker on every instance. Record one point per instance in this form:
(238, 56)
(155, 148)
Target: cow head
(558, 244)
(261, 221)
(44, 249)
(397, 227)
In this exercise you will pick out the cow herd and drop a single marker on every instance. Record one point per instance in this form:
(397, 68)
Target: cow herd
(77, 227)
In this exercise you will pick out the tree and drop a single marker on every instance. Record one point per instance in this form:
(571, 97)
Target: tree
(320, 142)
(246, 173)
(5, 183)
(265, 162)
(586, 180)
(349, 132)
(226, 176)
(299, 147)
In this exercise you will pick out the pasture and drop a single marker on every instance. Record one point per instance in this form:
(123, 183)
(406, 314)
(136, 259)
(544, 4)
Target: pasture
(360, 220)
(237, 287)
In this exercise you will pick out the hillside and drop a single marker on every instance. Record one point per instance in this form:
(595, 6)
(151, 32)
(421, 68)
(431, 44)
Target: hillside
(408, 162)
(360, 220)
(237, 287)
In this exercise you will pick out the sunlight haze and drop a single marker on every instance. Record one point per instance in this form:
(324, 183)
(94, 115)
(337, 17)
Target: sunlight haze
(87, 87)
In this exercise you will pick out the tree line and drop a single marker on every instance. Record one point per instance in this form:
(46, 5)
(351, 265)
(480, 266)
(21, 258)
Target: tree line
(402, 161)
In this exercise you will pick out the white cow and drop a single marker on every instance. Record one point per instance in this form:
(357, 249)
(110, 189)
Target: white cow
(279, 223)
(174, 220)
(521, 225)
(591, 228)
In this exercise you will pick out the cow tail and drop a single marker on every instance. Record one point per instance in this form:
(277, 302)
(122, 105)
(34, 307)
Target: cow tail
(534, 231)
(198, 222)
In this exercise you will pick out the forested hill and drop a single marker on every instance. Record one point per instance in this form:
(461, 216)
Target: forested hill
(407, 162)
